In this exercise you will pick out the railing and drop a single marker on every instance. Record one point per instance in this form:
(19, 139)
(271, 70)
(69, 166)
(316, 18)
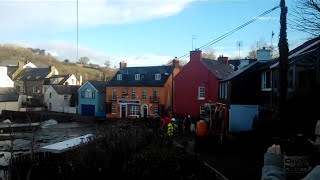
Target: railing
(112, 98)
(154, 99)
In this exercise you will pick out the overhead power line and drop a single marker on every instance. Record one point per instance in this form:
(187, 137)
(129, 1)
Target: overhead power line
(232, 31)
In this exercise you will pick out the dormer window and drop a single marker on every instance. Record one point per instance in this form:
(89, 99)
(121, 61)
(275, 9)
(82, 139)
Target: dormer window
(137, 77)
(157, 77)
(119, 76)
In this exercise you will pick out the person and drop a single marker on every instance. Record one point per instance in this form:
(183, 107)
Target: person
(187, 124)
(274, 166)
(171, 127)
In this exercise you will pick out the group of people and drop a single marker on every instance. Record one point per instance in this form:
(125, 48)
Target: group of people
(181, 126)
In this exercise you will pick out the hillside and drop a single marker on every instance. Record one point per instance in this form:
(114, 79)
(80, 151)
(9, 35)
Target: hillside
(10, 54)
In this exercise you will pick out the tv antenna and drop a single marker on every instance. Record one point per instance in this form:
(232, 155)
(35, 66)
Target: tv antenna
(239, 45)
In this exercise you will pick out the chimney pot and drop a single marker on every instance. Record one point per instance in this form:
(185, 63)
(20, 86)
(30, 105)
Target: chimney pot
(123, 64)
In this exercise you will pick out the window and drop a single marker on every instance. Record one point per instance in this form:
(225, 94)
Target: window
(155, 109)
(72, 81)
(291, 78)
(144, 94)
(201, 93)
(134, 109)
(133, 94)
(202, 110)
(50, 95)
(266, 81)
(88, 94)
(18, 88)
(35, 89)
(155, 96)
(123, 93)
(119, 76)
(65, 97)
(114, 94)
(225, 90)
(220, 90)
(157, 77)
(137, 77)
(113, 110)
(50, 106)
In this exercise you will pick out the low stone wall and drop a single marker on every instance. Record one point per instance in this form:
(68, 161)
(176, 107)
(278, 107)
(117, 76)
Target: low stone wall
(17, 116)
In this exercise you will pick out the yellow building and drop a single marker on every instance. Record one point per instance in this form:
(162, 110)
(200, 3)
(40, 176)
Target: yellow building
(141, 91)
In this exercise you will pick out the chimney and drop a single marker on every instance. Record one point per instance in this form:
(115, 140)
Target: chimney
(196, 56)
(264, 54)
(52, 70)
(20, 64)
(175, 62)
(224, 60)
(80, 80)
(123, 64)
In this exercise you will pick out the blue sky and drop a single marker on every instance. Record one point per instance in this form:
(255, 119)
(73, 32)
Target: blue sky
(141, 32)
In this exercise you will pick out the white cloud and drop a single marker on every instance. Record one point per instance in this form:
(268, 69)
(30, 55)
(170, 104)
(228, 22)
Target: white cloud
(63, 50)
(60, 15)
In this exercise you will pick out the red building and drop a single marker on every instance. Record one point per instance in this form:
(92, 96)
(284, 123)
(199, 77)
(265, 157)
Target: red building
(197, 83)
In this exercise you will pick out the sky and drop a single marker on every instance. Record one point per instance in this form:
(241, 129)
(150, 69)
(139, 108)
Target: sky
(140, 32)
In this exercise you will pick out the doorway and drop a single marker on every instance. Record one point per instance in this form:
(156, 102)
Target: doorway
(123, 111)
(144, 111)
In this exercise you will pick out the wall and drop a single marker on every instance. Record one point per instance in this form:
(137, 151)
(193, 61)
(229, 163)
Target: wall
(186, 83)
(13, 106)
(5, 80)
(72, 77)
(164, 93)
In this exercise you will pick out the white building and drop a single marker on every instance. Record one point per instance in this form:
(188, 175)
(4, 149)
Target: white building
(5, 80)
(61, 98)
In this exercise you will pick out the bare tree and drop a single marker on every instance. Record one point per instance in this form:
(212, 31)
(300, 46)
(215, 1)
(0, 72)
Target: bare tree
(306, 17)
(84, 60)
(209, 54)
(107, 64)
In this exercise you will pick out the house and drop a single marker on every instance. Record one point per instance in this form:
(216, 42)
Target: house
(69, 79)
(140, 90)
(197, 83)
(92, 99)
(61, 98)
(29, 82)
(9, 99)
(253, 90)
(240, 91)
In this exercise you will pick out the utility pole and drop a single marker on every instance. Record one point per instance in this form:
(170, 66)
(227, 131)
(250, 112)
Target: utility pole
(283, 63)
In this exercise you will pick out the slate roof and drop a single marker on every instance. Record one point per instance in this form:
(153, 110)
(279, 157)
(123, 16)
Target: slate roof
(8, 94)
(61, 82)
(219, 69)
(147, 76)
(236, 62)
(62, 89)
(33, 74)
(304, 45)
(256, 66)
(11, 70)
(99, 85)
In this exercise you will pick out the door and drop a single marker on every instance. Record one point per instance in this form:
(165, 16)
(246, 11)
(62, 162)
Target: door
(88, 110)
(123, 111)
(144, 111)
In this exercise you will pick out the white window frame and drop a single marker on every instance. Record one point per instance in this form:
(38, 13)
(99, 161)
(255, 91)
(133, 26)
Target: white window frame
(201, 95)
(225, 90)
(202, 110)
(137, 77)
(157, 76)
(119, 77)
(134, 110)
(65, 97)
(113, 109)
(155, 110)
(114, 94)
(133, 94)
(88, 94)
(35, 89)
(144, 94)
(263, 81)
